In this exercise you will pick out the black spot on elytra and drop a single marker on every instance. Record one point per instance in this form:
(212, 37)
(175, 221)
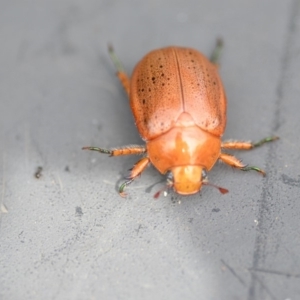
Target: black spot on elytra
(144, 101)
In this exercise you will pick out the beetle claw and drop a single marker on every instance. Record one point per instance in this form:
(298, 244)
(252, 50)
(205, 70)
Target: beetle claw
(123, 194)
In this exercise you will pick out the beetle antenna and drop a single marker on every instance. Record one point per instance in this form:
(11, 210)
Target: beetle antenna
(157, 194)
(221, 189)
(165, 189)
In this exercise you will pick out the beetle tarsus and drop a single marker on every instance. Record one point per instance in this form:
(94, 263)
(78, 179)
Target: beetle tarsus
(123, 186)
(265, 140)
(249, 168)
(101, 150)
(215, 57)
(114, 58)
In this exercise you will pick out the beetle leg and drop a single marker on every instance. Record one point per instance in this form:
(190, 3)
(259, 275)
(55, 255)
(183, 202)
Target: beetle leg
(236, 163)
(128, 150)
(123, 77)
(137, 169)
(238, 145)
(215, 56)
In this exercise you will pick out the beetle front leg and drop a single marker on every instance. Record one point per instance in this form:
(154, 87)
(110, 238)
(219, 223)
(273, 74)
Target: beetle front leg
(123, 77)
(137, 169)
(128, 150)
(239, 145)
(236, 163)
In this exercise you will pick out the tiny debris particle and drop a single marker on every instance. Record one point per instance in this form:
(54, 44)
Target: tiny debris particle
(38, 172)
(215, 209)
(3, 208)
(78, 211)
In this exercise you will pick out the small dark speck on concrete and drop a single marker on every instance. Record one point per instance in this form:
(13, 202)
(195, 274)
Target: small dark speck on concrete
(38, 172)
(215, 209)
(67, 169)
(78, 211)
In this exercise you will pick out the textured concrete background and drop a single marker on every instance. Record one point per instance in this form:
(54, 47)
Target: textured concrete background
(68, 235)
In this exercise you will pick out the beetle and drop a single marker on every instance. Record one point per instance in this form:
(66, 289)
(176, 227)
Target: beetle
(179, 105)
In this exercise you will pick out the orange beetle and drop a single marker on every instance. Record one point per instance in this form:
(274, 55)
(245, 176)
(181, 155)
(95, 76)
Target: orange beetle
(179, 106)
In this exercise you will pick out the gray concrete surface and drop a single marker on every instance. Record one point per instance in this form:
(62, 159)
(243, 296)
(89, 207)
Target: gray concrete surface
(68, 235)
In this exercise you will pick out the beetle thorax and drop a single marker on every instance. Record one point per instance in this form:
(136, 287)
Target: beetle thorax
(185, 144)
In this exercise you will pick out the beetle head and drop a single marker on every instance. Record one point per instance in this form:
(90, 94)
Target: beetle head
(188, 180)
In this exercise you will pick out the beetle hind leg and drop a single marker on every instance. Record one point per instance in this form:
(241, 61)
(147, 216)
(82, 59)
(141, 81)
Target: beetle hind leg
(137, 170)
(123, 77)
(127, 150)
(236, 163)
